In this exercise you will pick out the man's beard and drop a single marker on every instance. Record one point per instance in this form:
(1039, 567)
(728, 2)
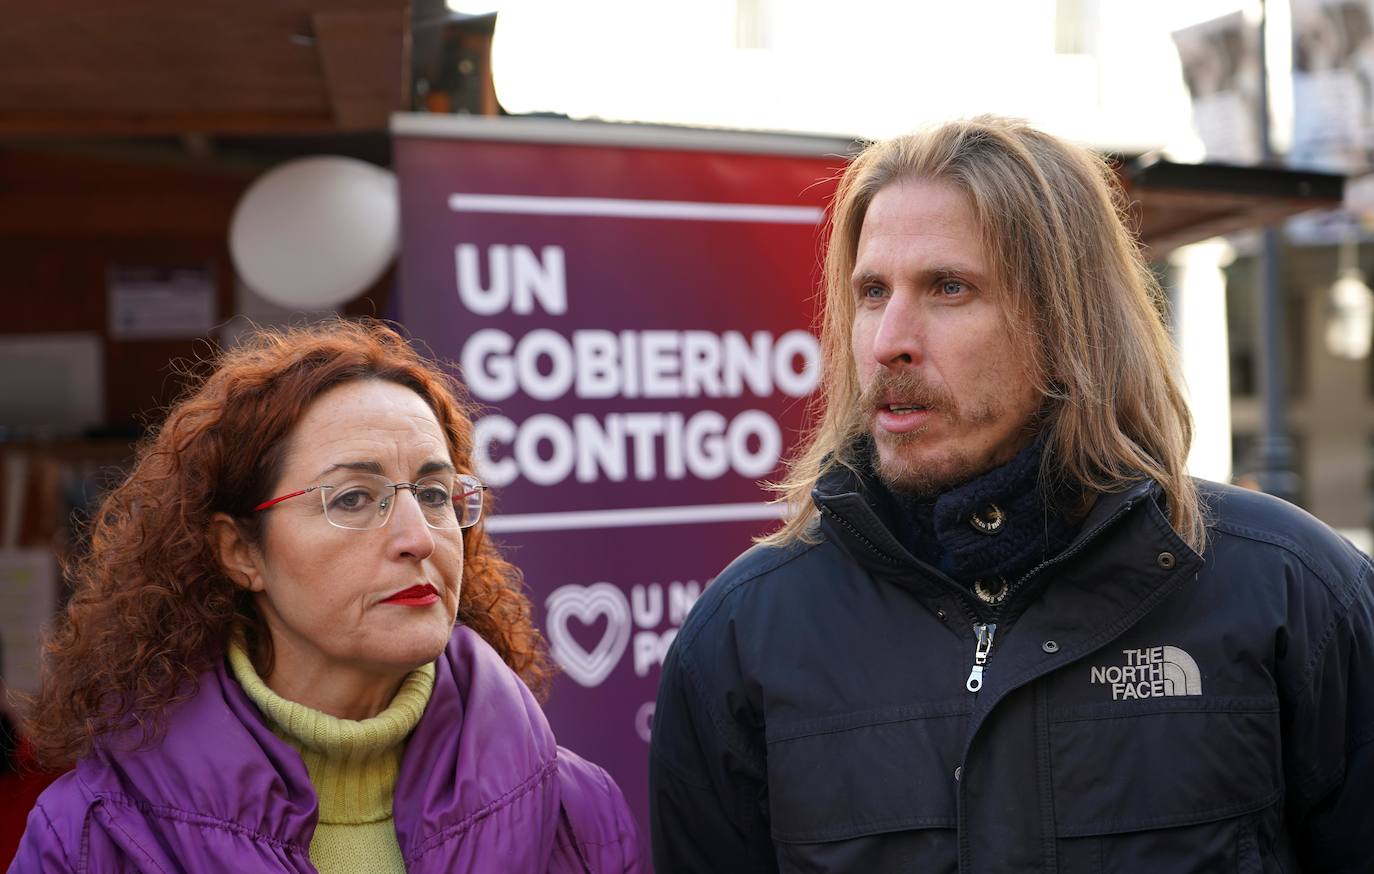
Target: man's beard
(924, 479)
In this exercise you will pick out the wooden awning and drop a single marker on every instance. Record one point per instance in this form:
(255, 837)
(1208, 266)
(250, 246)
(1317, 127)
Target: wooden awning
(1177, 204)
(137, 67)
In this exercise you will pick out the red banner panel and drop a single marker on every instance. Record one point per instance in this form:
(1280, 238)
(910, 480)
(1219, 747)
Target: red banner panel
(633, 309)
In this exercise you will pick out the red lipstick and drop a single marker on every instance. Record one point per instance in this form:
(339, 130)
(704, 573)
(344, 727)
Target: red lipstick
(415, 596)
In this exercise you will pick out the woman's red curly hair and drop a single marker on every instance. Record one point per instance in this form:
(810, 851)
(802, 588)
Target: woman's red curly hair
(152, 608)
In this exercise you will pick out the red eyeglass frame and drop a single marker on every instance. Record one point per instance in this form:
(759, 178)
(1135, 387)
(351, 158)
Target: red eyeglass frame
(462, 478)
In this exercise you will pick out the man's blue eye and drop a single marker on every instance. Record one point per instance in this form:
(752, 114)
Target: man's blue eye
(951, 287)
(872, 292)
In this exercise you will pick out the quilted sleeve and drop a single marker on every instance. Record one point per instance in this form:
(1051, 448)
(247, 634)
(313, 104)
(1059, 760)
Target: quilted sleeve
(597, 832)
(1329, 743)
(42, 849)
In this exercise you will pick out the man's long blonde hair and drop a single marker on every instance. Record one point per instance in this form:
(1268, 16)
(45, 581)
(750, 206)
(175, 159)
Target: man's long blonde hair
(1082, 305)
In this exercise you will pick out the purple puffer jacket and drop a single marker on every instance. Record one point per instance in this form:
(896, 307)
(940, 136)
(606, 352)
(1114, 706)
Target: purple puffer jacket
(482, 787)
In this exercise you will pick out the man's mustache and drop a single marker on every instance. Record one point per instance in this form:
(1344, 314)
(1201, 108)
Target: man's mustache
(904, 388)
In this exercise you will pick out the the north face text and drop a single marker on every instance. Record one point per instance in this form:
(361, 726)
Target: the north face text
(1151, 673)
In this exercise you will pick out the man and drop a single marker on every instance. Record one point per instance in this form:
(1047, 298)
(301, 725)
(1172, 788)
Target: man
(1001, 629)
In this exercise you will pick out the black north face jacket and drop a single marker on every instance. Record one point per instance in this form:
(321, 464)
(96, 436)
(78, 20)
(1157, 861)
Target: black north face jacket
(1142, 708)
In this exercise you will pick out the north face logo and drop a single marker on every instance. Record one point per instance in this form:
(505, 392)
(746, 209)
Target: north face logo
(1151, 673)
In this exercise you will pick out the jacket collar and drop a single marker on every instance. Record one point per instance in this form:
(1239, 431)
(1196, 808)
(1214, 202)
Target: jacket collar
(218, 758)
(1124, 561)
(853, 515)
(1131, 561)
(481, 758)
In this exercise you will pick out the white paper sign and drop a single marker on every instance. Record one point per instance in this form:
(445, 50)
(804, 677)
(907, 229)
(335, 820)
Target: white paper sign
(161, 303)
(28, 599)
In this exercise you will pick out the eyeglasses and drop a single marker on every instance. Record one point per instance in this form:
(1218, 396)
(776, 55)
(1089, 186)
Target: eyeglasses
(360, 501)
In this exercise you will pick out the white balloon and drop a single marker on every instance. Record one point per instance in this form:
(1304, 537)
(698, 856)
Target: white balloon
(314, 232)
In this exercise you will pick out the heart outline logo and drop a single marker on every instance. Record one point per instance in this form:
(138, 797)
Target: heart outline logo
(587, 604)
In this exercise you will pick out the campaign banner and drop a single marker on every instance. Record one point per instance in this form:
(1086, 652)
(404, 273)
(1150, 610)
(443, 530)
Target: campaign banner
(633, 308)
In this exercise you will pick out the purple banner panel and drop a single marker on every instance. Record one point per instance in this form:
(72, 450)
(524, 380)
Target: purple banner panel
(635, 319)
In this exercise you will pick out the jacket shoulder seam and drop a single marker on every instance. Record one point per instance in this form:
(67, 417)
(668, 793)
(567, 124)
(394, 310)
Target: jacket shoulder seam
(781, 559)
(727, 730)
(52, 830)
(1315, 785)
(1293, 548)
(546, 771)
(566, 837)
(1329, 633)
(678, 773)
(607, 786)
(132, 840)
(1343, 598)
(577, 844)
(1361, 739)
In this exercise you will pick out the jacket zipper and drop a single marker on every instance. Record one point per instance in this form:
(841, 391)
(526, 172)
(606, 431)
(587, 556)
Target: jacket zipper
(981, 653)
(984, 631)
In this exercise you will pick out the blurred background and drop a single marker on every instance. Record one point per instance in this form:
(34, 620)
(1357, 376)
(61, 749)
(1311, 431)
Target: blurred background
(150, 161)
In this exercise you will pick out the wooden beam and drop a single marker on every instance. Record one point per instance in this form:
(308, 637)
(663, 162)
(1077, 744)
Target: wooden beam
(71, 195)
(364, 56)
(161, 213)
(166, 66)
(35, 124)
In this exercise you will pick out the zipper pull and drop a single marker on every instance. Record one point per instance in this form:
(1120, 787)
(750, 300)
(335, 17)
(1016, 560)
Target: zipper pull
(980, 655)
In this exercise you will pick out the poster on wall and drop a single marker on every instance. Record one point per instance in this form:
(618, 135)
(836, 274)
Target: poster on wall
(1333, 85)
(1221, 67)
(1333, 108)
(633, 310)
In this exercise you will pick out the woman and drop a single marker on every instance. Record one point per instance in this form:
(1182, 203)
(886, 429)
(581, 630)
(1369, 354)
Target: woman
(260, 669)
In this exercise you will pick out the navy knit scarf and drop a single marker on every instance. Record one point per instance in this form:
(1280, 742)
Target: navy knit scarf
(993, 528)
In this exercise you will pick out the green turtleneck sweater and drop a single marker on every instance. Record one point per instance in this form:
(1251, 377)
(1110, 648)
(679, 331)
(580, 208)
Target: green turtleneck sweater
(352, 764)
